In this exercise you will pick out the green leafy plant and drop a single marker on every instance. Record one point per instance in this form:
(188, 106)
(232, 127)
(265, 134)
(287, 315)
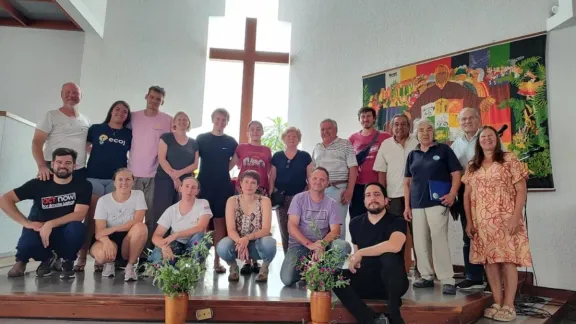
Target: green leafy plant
(273, 134)
(320, 272)
(181, 275)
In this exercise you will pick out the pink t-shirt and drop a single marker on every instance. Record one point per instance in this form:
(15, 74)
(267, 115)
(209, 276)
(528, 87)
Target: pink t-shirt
(146, 132)
(257, 158)
(366, 174)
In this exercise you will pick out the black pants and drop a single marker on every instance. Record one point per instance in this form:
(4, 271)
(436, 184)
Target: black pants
(388, 282)
(474, 272)
(357, 206)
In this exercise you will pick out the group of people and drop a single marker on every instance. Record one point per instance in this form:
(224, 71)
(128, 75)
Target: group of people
(126, 186)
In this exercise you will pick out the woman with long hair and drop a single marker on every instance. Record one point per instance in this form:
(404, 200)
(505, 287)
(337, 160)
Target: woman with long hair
(108, 145)
(288, 175)
(248, 220)
(120, 231)
(178, 159)
(494, 198)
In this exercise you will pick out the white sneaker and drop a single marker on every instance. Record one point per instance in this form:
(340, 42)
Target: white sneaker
(130, 273)
(109, 270)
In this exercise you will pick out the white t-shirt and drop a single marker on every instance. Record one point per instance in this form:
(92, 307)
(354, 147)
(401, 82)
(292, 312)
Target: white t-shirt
(64, 131)
(177, 222)
(116, 213)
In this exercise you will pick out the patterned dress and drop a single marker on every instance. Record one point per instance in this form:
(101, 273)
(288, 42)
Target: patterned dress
(493, 199)
(248, 224)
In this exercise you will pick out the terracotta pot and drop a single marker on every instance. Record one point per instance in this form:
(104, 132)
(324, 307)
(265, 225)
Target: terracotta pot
(176, 309)
(321, 307)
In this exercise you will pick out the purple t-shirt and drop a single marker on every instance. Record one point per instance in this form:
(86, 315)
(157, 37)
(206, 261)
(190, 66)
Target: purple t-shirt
(315, 218)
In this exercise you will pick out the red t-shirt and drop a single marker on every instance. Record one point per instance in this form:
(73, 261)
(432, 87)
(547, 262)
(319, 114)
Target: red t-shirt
(257, 158)
(366, 174)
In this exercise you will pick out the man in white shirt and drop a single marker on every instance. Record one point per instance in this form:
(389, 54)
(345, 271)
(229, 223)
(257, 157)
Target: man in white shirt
(390, 164)
(463, 147)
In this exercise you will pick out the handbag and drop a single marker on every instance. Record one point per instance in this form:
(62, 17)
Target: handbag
(277, 198)
(362, 155)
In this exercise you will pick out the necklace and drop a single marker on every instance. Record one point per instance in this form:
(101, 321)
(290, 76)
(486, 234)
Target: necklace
(113, 130)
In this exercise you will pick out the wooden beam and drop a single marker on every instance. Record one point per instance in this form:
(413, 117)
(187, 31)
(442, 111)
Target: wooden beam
(42, 24)
(4, 4)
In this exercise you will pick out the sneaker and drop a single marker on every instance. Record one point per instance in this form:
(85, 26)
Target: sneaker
(382, 319)
(18, 270)
(67, 270)
(45, 267)
(448, 289)
(469, 285)
(487, 289)
(423, 283)
(130, 273)
(109, 270)
(57, 265)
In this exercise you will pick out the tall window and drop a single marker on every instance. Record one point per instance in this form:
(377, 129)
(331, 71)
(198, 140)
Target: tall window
(223, 83)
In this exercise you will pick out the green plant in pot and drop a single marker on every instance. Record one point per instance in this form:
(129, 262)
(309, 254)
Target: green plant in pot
(177, 278)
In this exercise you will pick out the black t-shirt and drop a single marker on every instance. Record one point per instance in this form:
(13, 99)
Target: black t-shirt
(215, 154)
(109, 150)
(178, 156)
(365, 234)
(55, 200)
(291, 174)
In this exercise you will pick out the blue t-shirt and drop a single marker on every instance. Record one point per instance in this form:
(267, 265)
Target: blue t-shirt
(109, 150)
(435, 164)
(291, 174)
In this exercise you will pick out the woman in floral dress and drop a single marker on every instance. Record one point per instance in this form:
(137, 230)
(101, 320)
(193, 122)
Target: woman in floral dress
(494, 199)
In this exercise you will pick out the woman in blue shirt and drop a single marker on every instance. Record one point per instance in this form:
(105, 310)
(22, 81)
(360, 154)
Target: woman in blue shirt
(108, 144)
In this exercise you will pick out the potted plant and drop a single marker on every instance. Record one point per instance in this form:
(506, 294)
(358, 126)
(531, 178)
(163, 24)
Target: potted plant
(321, 274)
(177, 279)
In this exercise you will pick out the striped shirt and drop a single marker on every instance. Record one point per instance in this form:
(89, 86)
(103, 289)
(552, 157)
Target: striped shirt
(338, 157)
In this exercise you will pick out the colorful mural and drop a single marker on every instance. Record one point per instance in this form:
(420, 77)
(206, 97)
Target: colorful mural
(505, 82)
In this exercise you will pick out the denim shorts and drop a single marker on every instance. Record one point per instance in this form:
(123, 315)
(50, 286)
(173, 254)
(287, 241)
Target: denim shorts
(100, 187)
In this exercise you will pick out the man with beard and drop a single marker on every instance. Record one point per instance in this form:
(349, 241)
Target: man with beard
(376, 269)
(366, 143)
(57, 228)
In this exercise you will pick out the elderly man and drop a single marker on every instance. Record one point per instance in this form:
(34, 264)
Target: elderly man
(463, 147)
(338, 157)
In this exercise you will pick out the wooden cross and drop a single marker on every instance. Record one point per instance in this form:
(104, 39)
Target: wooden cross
(249, 56)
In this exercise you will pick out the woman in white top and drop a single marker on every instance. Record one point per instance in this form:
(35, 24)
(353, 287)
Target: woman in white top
(119, 220)
(187, 221)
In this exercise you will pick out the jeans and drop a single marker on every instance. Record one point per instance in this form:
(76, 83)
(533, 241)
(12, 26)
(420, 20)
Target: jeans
(100, 187)
(335, 192)
(388, 282)
(357, 206)
(179, 248)
(263, 249)
(474, 272)
(65, 241)
(290, 275)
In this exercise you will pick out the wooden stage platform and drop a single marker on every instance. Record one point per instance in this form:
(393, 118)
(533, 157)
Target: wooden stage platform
(89, 296)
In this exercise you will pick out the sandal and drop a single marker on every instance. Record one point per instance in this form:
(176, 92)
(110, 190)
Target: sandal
(80, 265)
(98, 267)
(262, 274)
(246, 269)
(219, 269)
(505, 314)
(255, 267)
(233, 276)
(491, 311)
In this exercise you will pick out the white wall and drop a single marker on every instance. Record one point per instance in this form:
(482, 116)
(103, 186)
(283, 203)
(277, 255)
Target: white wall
(148, 43)
(334, 43)
(35, 64)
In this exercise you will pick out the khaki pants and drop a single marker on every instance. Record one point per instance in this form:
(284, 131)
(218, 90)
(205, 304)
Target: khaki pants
(431, 243)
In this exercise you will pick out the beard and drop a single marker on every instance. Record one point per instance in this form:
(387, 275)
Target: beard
(376, 209)
(62, 173)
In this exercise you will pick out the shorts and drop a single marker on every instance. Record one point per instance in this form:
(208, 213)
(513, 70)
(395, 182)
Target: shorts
(118, 238)
(100, 187)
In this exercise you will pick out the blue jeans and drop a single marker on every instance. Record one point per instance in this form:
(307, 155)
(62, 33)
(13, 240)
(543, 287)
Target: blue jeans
(179, 248)
(65, 240)
(290, 275)
(100, 187)
(263, 249)
(336, 194)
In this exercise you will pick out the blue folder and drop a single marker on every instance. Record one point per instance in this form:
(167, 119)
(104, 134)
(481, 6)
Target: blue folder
(438, 189)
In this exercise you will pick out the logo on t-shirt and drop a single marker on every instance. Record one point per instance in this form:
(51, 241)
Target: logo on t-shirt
(58, 201)
(104, 138)
(252, 162)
